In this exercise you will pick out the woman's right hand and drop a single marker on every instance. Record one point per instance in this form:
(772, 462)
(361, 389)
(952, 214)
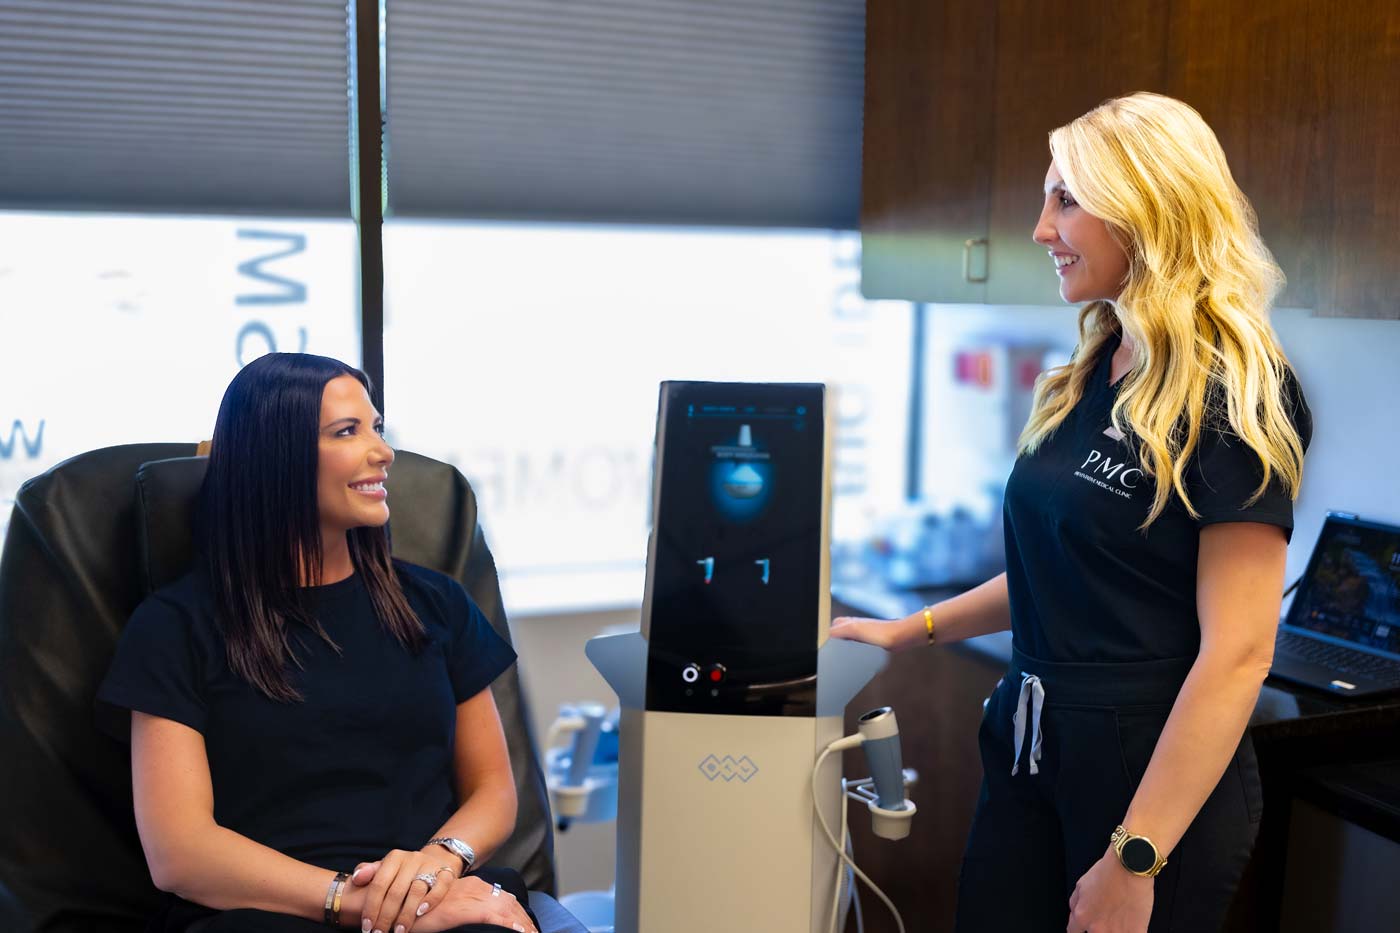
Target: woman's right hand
(395, 892)
(471, 900)
(890, 634)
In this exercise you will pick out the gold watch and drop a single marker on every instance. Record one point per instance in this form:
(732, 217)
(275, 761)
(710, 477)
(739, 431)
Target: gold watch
(1137, 854)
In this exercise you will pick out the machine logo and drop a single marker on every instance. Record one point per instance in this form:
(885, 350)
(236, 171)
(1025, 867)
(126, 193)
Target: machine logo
(728, 768)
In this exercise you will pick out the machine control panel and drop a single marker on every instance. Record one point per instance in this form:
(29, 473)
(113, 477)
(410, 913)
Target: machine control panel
(734, 573)
(712, 676)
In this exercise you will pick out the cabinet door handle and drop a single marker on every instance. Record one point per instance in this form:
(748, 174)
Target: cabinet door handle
(967, 259)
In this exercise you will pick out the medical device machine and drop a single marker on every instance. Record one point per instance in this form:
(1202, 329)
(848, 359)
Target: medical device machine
(732, 694)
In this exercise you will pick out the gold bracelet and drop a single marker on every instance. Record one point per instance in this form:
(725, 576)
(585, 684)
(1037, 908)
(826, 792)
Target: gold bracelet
(339, 891)
(928, 623)
(330, 914)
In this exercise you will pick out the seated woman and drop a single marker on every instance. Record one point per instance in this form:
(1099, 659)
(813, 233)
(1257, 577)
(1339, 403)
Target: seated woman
(301, 705)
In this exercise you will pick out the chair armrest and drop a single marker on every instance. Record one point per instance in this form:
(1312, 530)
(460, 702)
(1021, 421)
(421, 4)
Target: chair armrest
(552, 916)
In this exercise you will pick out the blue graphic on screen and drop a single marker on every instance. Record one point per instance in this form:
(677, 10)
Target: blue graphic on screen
(741, 478)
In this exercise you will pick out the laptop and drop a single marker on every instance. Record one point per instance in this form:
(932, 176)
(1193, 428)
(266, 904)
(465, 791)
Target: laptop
(1342, 632)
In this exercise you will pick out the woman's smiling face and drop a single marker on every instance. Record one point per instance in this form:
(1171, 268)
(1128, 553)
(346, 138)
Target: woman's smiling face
(1089, 260)
(353, 460)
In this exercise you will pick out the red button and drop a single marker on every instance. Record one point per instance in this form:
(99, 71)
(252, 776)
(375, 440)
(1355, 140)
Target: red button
(716, 672)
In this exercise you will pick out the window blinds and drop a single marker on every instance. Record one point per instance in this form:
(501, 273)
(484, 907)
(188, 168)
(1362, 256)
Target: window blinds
(735, 112)
(175, 105)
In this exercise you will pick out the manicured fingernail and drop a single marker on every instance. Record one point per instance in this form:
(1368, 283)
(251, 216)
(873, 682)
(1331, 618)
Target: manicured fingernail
(399, 928)
(422, 908)
(518, 927)
(364, 926)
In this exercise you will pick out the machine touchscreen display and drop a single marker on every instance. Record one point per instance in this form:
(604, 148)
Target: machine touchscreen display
(738, 548)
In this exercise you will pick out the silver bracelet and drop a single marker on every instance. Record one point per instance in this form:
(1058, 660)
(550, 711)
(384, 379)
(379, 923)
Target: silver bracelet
(458, 848)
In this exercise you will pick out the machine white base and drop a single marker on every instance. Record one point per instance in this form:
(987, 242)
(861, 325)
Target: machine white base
(715, 823)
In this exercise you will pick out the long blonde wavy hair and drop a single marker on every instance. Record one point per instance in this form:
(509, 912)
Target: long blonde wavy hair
(1195, 301)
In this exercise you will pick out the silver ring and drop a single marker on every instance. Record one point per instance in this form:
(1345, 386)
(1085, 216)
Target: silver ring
(427, 879)
(495, 890)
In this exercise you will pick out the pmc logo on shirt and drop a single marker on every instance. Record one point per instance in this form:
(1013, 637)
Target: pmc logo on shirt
(1109, 475)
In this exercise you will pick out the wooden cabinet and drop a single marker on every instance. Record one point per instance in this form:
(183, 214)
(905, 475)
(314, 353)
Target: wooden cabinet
(1050, 69)
(1305, 99)
(928, 150)
(960, 98)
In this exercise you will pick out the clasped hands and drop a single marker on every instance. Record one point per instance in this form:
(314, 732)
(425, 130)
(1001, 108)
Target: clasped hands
(391, 898)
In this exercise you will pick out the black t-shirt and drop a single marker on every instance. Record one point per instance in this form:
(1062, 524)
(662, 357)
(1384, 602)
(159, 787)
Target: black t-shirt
(1085, 584)
(364, 764)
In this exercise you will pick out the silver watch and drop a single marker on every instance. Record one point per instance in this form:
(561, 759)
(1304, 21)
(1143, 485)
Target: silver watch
(458, 848)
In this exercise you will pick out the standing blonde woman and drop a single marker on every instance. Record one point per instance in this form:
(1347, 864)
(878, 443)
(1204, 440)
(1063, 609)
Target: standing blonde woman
(1147, 519)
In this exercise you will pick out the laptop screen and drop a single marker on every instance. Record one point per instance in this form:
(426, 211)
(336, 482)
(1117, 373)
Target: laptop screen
(1351, 589)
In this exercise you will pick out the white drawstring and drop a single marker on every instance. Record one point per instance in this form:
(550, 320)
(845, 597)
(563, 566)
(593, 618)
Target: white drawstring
(1030, 685)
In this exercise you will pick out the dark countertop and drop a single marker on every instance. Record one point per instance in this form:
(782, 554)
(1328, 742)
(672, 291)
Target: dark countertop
(1365, 793)
(1348, 738)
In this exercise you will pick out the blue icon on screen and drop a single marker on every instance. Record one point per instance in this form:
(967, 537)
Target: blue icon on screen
(741, 478)
(743, 482)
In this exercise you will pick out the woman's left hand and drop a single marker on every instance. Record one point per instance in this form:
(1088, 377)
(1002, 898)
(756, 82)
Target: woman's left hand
(397, 896)
(1110, 899)
(890, 634)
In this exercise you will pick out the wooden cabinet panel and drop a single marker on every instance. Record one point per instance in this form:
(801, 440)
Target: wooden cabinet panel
(1255, 75)
(1363, 95)
(1305, 99)
(928, 144)
(1052, 67)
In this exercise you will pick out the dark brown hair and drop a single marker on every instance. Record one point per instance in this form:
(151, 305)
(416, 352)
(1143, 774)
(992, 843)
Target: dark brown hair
(260, 526)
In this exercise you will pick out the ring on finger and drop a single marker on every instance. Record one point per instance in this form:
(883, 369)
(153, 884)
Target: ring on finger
(445, 869)
(496, 890)
(427, 879)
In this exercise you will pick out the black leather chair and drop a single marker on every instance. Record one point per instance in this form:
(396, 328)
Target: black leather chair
(87, 541)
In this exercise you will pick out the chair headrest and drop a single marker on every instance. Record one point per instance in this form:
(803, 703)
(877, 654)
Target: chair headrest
(166, 495)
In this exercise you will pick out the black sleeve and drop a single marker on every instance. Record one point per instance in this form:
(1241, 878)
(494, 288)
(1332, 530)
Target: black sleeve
(477, 655)
(156, 670)
(1225, 472)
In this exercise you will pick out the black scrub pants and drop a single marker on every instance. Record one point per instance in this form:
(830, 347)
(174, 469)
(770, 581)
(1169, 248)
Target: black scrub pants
(1035, 834)
(182, 916)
